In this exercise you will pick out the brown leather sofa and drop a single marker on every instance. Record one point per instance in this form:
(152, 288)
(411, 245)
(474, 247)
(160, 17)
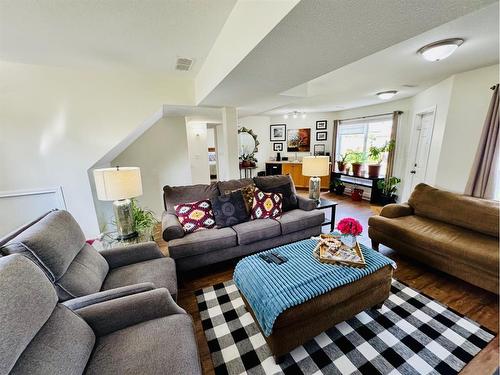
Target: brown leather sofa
(454, 233)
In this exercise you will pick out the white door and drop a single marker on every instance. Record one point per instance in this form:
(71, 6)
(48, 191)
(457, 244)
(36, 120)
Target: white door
(422, 136)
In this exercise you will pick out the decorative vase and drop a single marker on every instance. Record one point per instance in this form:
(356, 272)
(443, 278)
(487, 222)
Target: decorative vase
(356, 169)
(349, 240)
(373, 170)
(341, 166)
(245, 163)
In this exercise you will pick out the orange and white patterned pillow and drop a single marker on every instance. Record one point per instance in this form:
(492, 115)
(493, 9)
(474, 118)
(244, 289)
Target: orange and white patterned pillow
(266, 205)
(195, 216)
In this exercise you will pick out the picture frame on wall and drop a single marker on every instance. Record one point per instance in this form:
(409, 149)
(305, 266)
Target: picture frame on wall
(319, 149)
(321, 136)
(277, 132)
(321, 124)
(299, 140)
(278, 147)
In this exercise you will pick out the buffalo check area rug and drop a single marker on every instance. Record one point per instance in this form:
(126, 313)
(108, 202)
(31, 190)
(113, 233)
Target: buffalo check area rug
(411, 334)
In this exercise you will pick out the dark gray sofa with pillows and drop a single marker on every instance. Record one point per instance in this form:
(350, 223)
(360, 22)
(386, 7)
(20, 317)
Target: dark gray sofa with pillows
(211, 246)
(143, 333)
(57, 244)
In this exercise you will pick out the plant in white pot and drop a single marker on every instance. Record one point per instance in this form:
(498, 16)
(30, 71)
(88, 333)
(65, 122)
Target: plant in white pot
(375, 157)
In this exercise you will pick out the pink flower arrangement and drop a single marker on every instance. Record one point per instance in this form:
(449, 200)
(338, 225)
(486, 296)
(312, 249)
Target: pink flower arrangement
(350, 226)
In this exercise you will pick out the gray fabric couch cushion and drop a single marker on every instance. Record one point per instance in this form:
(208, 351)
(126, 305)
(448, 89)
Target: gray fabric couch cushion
(162, 346)
(161, 272)
(269, 182)
(202, 242)
(257, 230)
(173, 195)
(55, 240)
(27, 300)
(296, 220)
(62, 346)
(231, 185)
(84, 276)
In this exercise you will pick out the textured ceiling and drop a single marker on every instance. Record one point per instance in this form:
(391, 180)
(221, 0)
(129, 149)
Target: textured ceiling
(319, 36)
(146, 35)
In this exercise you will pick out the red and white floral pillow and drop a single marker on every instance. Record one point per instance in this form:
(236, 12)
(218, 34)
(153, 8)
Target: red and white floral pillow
(266, 205)
(195, 216)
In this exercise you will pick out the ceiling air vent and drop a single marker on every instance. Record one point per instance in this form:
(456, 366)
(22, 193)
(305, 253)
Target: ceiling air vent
(183, 64)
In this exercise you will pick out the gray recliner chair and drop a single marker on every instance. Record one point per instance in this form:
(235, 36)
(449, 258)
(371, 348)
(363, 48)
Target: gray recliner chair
(57, 244)
(143, 333)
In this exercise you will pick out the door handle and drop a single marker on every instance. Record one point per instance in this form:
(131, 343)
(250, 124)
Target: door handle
(413, 172)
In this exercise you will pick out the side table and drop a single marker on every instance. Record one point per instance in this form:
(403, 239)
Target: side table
(108, 240)
(327, 204)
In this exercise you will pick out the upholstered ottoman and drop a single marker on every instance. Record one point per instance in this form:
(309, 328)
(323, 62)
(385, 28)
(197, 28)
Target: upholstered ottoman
(261, 290)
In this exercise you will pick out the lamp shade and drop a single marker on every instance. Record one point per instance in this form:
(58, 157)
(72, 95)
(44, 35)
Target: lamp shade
(117, 183)
(316, 166)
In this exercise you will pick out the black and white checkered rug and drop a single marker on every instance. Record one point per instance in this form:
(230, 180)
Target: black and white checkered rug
(411, 334)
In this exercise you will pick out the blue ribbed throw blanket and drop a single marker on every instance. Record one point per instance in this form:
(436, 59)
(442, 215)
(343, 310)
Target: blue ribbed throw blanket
(270, 289)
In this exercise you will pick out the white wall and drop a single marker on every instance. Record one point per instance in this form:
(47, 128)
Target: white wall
(469, 102)
(198, 152)
(162, 154)
(56, 123)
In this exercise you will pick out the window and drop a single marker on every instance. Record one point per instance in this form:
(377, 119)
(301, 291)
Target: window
(361, 134)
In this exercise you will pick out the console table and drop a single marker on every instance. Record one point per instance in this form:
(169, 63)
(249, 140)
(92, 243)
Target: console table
(363, 180)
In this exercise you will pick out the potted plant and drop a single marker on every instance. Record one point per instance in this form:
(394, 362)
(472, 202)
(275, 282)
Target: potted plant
(388, 190)
(356, 158)
(376, 155)
(341, 163)
(337, 186)
(248, 160)
(144, 220)
(357, 194)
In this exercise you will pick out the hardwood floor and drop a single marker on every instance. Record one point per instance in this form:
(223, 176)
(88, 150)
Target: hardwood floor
(473, 302)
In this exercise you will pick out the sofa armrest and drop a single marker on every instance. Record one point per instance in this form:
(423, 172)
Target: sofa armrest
(119, 313)
(306, 204)
(130, 254)
(394, 210)
(171, 227)
(107, 295)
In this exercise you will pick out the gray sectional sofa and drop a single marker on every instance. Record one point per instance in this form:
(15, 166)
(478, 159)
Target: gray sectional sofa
(211, 246)
(56, 243)
(142, 333)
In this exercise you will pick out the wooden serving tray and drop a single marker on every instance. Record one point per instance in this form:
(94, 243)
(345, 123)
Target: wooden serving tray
(323, 259)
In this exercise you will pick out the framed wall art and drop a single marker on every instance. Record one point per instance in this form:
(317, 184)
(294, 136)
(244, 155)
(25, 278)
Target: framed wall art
(321, 125)
(277, 132)
(299, 140)
(277, 146)
(321, 136)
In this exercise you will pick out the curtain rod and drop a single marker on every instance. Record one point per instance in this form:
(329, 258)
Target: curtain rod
(382, 114)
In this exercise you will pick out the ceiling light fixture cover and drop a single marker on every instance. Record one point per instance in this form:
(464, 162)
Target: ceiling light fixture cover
(440, 50)
(384, 95)
(295, 114)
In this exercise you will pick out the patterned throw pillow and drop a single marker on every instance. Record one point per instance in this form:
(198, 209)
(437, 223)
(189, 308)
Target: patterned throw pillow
(247, 192)
(195, 216)
(229, 209)
(290, 201)
(266, 205)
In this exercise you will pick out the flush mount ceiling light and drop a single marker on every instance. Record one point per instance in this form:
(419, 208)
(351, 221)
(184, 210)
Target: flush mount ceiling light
(295, 114)
(384, 95)
(440, 50)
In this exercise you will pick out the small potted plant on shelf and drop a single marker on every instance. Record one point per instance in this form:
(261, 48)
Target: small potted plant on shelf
(356, 158)
(337, 186)
(375, 157)
(248, 160)
(341, 163)
(388, 190)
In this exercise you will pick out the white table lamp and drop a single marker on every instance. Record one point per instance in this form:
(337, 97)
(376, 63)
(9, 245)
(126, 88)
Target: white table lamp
(314, 167)
(119, 184)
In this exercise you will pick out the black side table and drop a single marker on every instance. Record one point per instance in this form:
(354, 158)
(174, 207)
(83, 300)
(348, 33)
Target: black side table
(325, 204)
